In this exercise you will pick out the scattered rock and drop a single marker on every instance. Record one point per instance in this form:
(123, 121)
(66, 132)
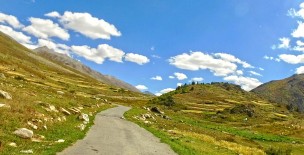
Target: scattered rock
(60, 141)
(60, 92)
(81, 127)
(2, 76)
(75, 110)
(166, 117)
(84, 117)
(4, 105)
(24, 133)
(32, 125)
(45, 127)
(5, 95)
(147, 122)
(90, 114)
(65, 111)
(122, 117)
(157, 110)
(27, 151)
(12, 144)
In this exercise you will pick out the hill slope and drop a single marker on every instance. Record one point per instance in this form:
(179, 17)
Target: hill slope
(221, 118)
(48, 99)
(289, 92)
(70, 62)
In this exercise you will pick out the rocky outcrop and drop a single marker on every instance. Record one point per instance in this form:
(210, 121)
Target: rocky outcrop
(24, 133)
(5, 95)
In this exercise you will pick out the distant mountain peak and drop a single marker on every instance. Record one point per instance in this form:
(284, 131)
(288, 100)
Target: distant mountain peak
(77, 65)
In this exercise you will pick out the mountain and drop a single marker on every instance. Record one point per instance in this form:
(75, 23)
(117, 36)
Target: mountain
(288, 91)
(217, 97)
(48, 99)
(148, 93)
(72, 63)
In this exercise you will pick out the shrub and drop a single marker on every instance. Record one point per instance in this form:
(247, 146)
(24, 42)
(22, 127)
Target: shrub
(278, 151)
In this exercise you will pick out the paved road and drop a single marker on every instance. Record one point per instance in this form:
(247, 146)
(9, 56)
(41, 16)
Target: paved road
(112, 135)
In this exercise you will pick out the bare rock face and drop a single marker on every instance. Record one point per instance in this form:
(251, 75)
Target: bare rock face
(5, 95)
(24, 133)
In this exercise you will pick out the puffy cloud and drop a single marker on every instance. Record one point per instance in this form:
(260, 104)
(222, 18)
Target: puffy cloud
(255, 73)
(54, 14)
(59, 48)
(299, 32)
(141, 87)
(199, 60)
(99, 54)
(300, 70)
(284, 43)
(180, 76)
(136, 58)
(197, 79)
(171, 77)
(11, 20)
(299, 13)
(246, 83)
(166, 90)
(45, 28)
(292, 59)
(239, 72)
(232, 58)
(18, 36)
(86, 24)
(179, 84)
(159, 78)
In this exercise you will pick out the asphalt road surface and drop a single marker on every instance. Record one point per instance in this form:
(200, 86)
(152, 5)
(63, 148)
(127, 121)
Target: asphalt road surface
(111, 135)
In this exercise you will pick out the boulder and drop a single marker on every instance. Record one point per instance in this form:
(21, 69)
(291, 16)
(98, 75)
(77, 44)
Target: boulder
(5, 95)
(4, 105)
(60, 92)
(24, 133)
(65, 111)
(84, 117)
(2, 76)
(12, 144)
(27, 151)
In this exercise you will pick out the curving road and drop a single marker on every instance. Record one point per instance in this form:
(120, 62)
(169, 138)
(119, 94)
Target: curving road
(112, 135)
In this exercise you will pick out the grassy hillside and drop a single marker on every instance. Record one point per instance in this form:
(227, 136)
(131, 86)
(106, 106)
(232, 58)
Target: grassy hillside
(221, 118)
(288, 92)
(39, 90)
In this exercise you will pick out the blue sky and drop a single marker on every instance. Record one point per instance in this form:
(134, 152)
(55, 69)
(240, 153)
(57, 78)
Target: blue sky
(143, 42)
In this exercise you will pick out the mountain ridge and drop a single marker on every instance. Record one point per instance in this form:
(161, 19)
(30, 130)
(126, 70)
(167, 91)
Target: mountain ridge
(74, 64)
(288, 91)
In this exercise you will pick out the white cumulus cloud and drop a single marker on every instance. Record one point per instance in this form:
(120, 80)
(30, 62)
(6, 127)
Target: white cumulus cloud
(18, 36)
(45, 29)
(246, 83)
(99, 54)
(136, 58)
(198, 60)
(171, 77)
(86, 24)
(11, 20)
(197, 79)
(166, 90)
(141, 87)
(59, 48)
(180, 76)
(159, 78)
(232, 58)
(292, 59)
(300, 70)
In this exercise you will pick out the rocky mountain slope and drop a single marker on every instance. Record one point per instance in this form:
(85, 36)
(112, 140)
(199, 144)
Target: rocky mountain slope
(288, 91)
(72, 63)
(43, 103)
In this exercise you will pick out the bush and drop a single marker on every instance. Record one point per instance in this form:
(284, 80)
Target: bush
(278, 151)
